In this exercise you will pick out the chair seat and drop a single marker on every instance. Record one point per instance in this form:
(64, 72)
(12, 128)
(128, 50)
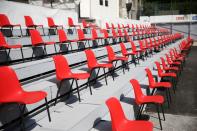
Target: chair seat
(119, 58)
(80, 75)
(168, 75)
(175, 63)
(151, 99)
(12, 46)
(74, 76)
(171, 68)
(103, 65)
(136, 126)
(130, 53)
(162, 84)
(49, 43)
(25, 97)
(75, 40)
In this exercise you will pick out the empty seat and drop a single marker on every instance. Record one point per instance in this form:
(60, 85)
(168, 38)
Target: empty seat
(12, 92)
(52, 25)
(142, 99)
(93, 64)
(37, 40)
(120, 122)
(31, 25)
(5, 45)
(63, 72)
(5, 23)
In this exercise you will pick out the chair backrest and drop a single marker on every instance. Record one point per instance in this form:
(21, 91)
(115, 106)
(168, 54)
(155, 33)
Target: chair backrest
(163, 63)
(159, 70)
(110, 52)
(107, 26)
(120, 32)
(94, 34)
(119, 27)
(112, 25)
(141, 43)
(151, 79)
(114, 33)
(168, 59)
(36, 39)
(62, 36)
(4, 21)
(10, 84)
(2, 40)
(123, 49)
(106, 35)
(134, 48)
(70, 21)
(50, 22)
(137, 90)
(85, 25)
(80, 33)
(61, 66)
(91, 59)
(28, 21)
(116, 113)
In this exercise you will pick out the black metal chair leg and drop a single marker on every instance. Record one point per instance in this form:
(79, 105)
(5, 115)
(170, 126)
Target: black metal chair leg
(78, 90)
(157, 107)
(167, 98)
(105, 76)
(47, 107)
(153, 91)
(22, 111)
(162, 110)
(168, 90)
(22, 54)
(58, 91)
(88, 84)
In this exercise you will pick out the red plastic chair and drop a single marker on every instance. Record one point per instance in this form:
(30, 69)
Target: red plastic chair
(52, 25)
(4, 45)
(72, 25)
(5, 23)
(63, 38)
(12, 92)
(142, 99)
(156, 85)
(163, 75)
(168, 68)
(93, 64)
(63, 72)
(30, 24)
(121, 123)
(96, 37)
(125, 53)
(37, 40)
(81, 37)
(113, 58)
(106, 35)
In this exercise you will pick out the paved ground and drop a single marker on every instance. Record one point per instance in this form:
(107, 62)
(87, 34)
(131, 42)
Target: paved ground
(182, 114)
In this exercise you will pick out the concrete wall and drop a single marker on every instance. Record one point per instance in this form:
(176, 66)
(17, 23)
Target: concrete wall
(17, 11)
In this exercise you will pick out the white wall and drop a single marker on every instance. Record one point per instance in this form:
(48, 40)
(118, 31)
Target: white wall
(93, 9)
(17, 11)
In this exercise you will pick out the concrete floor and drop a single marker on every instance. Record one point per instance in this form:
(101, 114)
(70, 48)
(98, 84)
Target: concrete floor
(182, 114)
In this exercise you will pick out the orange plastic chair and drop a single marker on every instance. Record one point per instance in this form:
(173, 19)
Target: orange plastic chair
(12, 92)
(63, 72)
(121, 123)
